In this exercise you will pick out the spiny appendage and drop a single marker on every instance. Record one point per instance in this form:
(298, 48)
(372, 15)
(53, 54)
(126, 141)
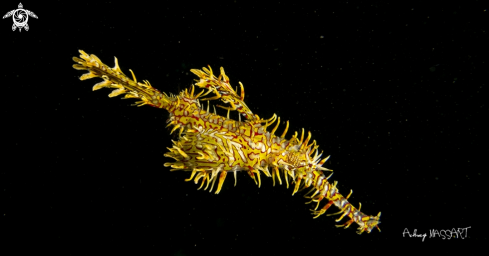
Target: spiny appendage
(323, 189)
(211, 152)
(223, 90)
(115, 78)
(307, 170)
(204, 163)
(295, 157)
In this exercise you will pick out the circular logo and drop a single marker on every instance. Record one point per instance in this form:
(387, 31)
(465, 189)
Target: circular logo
(20, 17)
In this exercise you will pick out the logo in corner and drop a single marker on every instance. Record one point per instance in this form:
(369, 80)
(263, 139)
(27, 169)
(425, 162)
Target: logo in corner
(20, 17)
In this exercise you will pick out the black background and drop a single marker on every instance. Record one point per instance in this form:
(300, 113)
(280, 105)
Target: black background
(396, 93)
